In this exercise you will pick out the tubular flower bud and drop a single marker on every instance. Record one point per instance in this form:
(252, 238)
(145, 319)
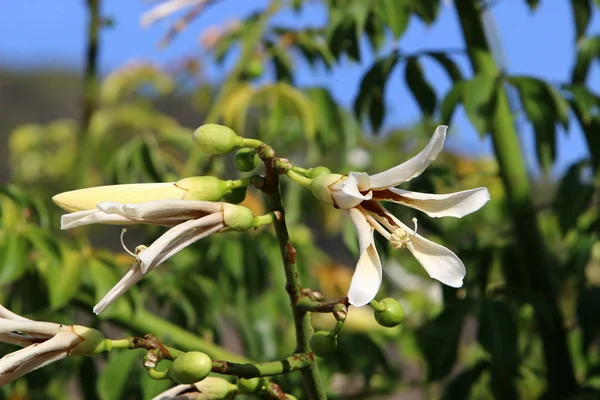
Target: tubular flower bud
(43, 343)
(216, 139)
(211, 388)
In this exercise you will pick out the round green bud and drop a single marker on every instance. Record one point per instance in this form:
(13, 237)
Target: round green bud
(245, 160)
(238, 218)
(236, 196)
(254, 68)
(216, 139)
(190, 367)
(320, 186)
(205, 188)
(250, 386)
(314, 172)
(392, 315)
(323, 343)
(93, 342)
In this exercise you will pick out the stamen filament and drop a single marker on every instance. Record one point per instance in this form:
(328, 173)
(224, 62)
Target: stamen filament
(131, 253)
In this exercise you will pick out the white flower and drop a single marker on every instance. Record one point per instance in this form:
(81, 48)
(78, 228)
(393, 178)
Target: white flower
(166, 8)
(360, 194)
(190, 221)
(42, 342)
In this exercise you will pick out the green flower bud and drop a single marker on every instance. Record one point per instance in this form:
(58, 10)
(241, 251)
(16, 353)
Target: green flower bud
(236, 196)
(320, 186)
(314, 172)
(213, 388)
(93, 342)
(206, 188)
(392, 315)
(250, 386)
(216, 139)
(323, 343)
(245, 160)
(190, 367)
(238, 218)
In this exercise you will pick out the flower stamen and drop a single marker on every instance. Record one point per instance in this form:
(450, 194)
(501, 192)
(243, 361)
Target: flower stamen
(136, 251)
(400, 237)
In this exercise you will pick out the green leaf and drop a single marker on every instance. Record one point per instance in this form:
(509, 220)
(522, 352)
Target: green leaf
(544, 107)
(64, 278)
(460, 386)
(359, 11)
(573, 196)
(13, 258)
(427, 10)
(450, 66)
(114, 376)
(452, 99)
(420, 88)
(329, 119)
(587, 49)
(371, 94)
(479, 100)
(498, 335)
(582, 13)
(395, 14)
(341, 35)
(533, 4)
(438, 339)
(584, 102)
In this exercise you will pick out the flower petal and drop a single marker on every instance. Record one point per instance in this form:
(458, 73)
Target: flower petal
(414, 167)
(347, 193)
(6, 313)
(439, 262)
(456, 204)
(367, 275)
(178, 237)
(31, 365)
(88, 217)
(129, 279)
(171, 394)
(162, 209)
(29, 327)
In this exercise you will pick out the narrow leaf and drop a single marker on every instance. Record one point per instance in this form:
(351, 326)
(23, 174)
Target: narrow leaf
(452, 99)
(420, 88)
(582, 13)
(479, 99)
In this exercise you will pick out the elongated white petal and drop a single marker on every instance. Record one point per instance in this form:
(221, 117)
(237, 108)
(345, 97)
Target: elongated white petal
(177, 238)
(367, 276)
(439, 262)
(88, 217)
(456, 204)
(6, 313)
(162, 209)
(414, 167)
(12, 365)
(171, 394)
(165, 9)
(347, 194)
(31, 365)
(129, 279)
(20, 339)
(29, 327)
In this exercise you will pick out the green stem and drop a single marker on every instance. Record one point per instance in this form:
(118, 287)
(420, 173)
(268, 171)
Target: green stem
(158, 375)
(248, 370)
(377, 306)
(296, 177)
(303, 327)
(265, 219)
(248, 46)
(561, 379)
(251, 143)
(120, 343)
(90, 88)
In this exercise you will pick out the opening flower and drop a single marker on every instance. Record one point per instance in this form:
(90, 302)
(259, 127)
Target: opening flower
(360, 196)
(190, 221)
(43, 343)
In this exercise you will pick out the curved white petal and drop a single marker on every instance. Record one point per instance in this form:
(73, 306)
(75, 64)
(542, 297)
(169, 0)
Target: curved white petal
(6, 313)
(29, 327)
(178, 237)
(161, 209)
(439, 262)
(347, 193)
(367, 275)
(171, 394)
(414, 167)
(456, 204)
(129, 279)
(31, 365)
(88, 217)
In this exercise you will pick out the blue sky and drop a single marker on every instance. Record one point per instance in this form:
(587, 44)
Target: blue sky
(541, 44)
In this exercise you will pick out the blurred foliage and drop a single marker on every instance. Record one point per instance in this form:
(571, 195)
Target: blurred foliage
(479, 342)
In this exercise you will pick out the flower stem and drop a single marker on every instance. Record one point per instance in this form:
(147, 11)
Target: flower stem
(304, 330)
(296, 177)
(540, 286)
(293, 363)
(252, 143)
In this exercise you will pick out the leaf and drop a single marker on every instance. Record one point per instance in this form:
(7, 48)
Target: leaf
(544, 108)
(460, 386)
(588, 309)
(396, 14)
(438, 339)
(498, 335)
(479, 100)
(359, 11)
(452, 99)
(113, 378)
(13, 258)
(573, 196)
(584, 102)
(427, 10)
(450, 66)
(328, 117)
(581, 13)
(64, 278)
(587, 49)
(371, 94)
(420, 88)
(341, 36)
(533, 4)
